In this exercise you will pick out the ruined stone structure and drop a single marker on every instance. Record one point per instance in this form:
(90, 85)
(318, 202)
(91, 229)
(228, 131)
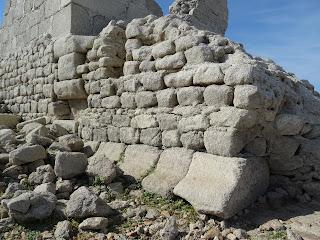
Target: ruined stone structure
(185, 111)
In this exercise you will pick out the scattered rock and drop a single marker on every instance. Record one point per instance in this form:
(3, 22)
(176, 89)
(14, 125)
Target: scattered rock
(94, 224)
(31, 206)
(170, 230)
(71, 141)
(27, 154)
(64, 230)
(70, 164)
(83, 204)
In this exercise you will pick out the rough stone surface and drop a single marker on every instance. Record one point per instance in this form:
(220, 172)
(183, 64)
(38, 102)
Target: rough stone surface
(139, 160)
(172, 167)
(27, 154)
(31, 206)
(68, 165)
(210, 15)
(223, 186)
(102, 167)
(84, 204)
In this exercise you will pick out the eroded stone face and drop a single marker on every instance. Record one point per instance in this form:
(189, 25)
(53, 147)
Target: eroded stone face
(209, 15)
(222, 185)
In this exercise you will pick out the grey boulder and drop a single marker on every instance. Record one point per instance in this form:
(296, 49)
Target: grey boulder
(84, 204)
(31, 206)
(27, 154)
(70, 164)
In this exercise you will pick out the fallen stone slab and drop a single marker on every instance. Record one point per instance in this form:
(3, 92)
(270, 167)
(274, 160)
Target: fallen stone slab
(222, 186)
(41, 120)
(112, 151)
(27, 154)
(70, 125)
(139, 160)
(172, 167)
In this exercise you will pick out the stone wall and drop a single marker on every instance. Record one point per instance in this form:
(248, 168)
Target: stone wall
(25, 20)
(27, 78)
(162, 88)
(184, 111)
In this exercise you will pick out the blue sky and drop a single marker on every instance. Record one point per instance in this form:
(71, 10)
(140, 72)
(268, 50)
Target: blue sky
(287, 31)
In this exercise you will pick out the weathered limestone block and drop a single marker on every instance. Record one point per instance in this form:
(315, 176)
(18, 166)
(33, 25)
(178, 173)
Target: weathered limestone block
(70, 90)
(139, 160)
(152, 81)
(163, 49)
(185, 42)
(27, 154)
(31, 206)
(179, 79)
(121, 121)
(192, 140)
(283, 154)
(102, 167)
(208, 74)
(67, 65)
(128, 100)
(209, 15)
(193, 123)
(225, 141)
(70, 164)
(171, 62)
(171, 138)
(218, 95)
(70, 125)
(147, 66)
(172, 167)
(144, 121)
(111, 102)
(112, 151)
(199, 54)
(72, 43)
(223, 186)
(83, 204)
(167, 121)
(247, 97)
(146, 99)
(113, 134)
(151, 136)
(234, 117)
(190, 96)
(131, 67)
(129, 135)
(167, 98)
(289, 124)
(240, 74)
(142, 53)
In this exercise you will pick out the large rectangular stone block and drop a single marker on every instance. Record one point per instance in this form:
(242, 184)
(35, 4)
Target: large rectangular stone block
(67, 65)
(223, 186)
(69, 90)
